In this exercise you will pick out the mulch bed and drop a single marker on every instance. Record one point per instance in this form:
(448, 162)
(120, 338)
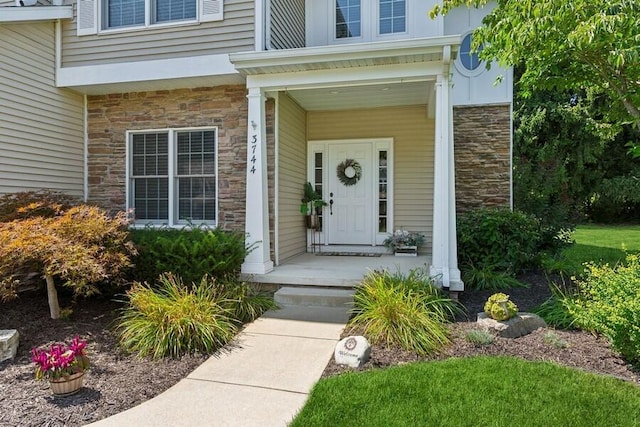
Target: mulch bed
(115, 382)
(119, 381)
(584, 350)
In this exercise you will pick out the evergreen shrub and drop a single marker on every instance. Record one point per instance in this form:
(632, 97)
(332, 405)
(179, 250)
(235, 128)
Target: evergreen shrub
(190, 253)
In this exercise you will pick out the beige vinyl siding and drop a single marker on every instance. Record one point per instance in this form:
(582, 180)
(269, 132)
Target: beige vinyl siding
(292, 174)
(286, 29)
(41, 127)
(233, 34)
(413, 136)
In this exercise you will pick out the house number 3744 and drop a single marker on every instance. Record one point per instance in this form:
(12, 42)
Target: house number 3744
(254, 145)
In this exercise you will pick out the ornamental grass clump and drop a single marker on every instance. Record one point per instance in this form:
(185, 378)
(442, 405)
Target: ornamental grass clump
(404, 310)
(173, 319)
(60, 360)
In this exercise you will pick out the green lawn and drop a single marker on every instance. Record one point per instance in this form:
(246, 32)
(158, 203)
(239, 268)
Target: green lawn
(601, 244)
(479, 391)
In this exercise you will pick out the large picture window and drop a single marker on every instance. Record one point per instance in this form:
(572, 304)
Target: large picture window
(172, 176)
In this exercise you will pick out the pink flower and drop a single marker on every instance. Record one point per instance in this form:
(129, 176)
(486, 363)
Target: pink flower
(60, 360)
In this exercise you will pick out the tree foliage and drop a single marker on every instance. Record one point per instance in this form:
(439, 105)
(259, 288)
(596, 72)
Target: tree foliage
(82, 246)
(569, 165)
(566, 45)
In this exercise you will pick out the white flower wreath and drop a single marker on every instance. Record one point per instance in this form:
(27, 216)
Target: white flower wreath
(349, 172)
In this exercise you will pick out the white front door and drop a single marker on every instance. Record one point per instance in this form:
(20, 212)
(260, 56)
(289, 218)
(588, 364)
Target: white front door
(349, 217)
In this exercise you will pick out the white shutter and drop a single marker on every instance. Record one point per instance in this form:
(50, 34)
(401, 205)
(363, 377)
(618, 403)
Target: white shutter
(210, 10)
(87, 17)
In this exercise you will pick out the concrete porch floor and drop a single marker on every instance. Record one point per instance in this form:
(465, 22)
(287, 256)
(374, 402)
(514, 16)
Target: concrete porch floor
(335, 271)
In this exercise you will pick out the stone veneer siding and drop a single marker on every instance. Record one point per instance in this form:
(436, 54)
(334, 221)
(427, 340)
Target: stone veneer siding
(482, 141)
(110, 116)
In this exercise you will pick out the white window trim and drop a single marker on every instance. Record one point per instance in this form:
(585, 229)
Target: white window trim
(172, 221)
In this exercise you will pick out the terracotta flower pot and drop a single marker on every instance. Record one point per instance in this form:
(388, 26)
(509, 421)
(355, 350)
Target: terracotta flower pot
(66, 386)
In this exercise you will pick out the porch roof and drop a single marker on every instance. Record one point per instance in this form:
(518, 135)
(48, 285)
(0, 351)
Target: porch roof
(355, 55)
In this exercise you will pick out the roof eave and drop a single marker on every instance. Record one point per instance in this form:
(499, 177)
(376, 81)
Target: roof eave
(245, 61)
(21, 14)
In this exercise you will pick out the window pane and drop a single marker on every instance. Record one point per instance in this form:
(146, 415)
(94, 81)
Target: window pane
(148, 158)
(347, 18)
(469, 59)
(150, 199)
(196, 167)
(393, 16)
(122, 13)
(196, 199)
(174, 10)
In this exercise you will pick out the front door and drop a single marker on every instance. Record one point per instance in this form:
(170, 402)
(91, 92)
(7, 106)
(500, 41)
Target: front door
(349, 216)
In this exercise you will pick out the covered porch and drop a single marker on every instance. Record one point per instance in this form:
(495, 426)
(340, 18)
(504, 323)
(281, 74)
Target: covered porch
(383, 106)
(317, 269)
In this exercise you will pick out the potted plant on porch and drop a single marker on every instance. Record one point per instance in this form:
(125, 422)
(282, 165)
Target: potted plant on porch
(404, 243)
(311, 203)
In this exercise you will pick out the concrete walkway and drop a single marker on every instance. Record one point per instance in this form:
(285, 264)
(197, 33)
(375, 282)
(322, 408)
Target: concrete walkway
(262, 379)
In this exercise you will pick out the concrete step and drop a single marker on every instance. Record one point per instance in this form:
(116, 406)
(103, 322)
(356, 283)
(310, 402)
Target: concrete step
(314, 297)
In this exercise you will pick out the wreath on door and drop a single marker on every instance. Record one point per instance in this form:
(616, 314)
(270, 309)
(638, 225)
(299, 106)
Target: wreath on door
(349, 172)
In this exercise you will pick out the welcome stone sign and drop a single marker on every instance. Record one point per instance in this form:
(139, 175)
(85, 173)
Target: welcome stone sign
(352, 351)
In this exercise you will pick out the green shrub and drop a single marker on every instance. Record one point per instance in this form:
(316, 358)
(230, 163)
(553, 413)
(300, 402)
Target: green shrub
(404, 310)
(29, 204)
(498, 238)
(189, 253)
(609, 303)
(174, 319)
(479, 337)
(499, 307)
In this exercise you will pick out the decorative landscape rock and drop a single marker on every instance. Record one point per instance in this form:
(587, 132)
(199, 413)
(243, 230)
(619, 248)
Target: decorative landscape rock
(522, 324)
(8, 344)
(352, 351)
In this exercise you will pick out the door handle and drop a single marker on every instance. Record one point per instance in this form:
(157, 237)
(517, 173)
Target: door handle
(331, 207)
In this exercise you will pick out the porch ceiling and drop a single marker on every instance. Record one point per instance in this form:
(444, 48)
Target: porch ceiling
(366, 96)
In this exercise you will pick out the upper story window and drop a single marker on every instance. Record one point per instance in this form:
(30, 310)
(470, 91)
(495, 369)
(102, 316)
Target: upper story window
(172, 176)
(468, 58)
(95, 16)
(393, 16)
(122, 13)
(366, 20)
(348, 19)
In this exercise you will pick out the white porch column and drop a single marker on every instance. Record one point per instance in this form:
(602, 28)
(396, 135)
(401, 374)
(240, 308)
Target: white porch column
(258, 261)
(444, 264)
